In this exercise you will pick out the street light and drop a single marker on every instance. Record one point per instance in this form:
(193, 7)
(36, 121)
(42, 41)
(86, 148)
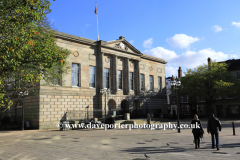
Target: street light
(23, 94)
(176, 84)
(107, 91)
(145, 99)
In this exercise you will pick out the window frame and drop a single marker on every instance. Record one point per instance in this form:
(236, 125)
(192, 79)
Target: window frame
(151, 87)
(108, 84)
(59, 80)
(118, 78)
(79, 75)
(160, 84)
(183, 98)
(238, 75)
(94, 86)
(131, 81)
(142, 82)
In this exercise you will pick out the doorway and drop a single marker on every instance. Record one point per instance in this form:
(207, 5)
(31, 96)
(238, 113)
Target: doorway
(125, 106)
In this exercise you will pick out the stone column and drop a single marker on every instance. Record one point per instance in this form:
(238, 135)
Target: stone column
(115, 83)
(126, 77)
(99, 78)
(137, 77)
(101, 71)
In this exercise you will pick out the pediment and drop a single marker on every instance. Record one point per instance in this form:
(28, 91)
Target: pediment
(122, 45)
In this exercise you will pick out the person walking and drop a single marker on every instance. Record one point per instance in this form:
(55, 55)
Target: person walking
(148, 118)
(214, 126)
(197, 130)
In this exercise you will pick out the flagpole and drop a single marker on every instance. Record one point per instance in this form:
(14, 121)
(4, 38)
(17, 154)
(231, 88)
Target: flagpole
(96, 11)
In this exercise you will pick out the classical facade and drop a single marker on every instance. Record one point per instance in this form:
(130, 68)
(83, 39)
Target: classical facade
(135, 82)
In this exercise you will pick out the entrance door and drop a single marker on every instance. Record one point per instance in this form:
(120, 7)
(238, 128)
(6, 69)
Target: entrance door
(124, 107)
(219, 111)
(193, 110)
(136, 109)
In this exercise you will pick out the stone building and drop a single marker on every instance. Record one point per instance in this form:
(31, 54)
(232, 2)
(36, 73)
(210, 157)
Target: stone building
(135, 81)
(225, 107)
(229, 106)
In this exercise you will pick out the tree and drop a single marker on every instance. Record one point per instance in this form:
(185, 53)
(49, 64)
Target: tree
(210, 82)
(28, 50)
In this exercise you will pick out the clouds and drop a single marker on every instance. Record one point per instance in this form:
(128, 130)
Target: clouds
(148, 43)
(191, 57)
(188, 59)
(87, 25)
(171, 71)
(132, 42)
(161, 52)
(181, 40)
(217, 28)
(236, 24)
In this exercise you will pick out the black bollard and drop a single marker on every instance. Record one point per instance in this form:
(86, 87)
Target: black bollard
(179, 131)
(233, 128)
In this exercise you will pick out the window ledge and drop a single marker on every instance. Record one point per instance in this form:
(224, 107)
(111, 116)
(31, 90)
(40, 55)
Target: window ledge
(76, 87)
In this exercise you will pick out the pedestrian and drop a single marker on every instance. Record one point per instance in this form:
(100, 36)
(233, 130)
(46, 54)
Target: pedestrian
(214, 126)
(148, 118)
(197, 130)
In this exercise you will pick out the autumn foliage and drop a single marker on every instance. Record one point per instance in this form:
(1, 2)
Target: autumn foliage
(27, 43)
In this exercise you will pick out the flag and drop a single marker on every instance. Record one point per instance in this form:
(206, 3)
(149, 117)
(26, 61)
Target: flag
(96, 11)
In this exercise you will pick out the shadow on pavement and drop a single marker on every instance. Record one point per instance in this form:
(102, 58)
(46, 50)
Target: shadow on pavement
(230, 145)
(152, 150)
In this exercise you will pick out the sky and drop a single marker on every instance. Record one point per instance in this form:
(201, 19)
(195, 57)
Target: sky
(182, 32)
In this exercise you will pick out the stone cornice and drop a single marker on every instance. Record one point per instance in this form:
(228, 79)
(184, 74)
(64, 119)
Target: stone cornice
(144, 56)
(130, 58)
(103, 44)
(73, 38)
(125, 41)
(120, 50)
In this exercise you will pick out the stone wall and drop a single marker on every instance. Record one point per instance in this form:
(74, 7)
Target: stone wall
(84, 102)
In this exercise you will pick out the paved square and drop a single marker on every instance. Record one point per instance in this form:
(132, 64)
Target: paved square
(117, 144)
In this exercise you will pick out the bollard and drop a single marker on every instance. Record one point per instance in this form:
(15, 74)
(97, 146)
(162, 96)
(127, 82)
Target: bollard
(179, 131)
(233, 128)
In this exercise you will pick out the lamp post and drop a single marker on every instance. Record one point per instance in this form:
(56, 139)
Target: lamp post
(176, 84)
(146, 99)
(23, 94)
(107, 91)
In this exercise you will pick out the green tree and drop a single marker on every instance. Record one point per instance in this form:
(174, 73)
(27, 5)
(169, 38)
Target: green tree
(210, 82)
(28, 50)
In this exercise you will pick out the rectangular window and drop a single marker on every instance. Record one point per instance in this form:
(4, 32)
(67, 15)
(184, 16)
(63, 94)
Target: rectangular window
(233, 109)
(186, 109)
(184, 99)
(106, 78)
(160, 84)
(200, 99)
(151, 82)
(238, 75)
(201, 109)
(92, 76)
(142, 81)
(119, 79)
(75, 74)
(57, 77)
(131, 80)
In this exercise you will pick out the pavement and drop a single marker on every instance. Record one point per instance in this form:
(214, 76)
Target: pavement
(119, 143)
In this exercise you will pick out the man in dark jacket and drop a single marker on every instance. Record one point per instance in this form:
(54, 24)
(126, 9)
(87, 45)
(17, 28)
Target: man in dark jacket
(214, 126)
